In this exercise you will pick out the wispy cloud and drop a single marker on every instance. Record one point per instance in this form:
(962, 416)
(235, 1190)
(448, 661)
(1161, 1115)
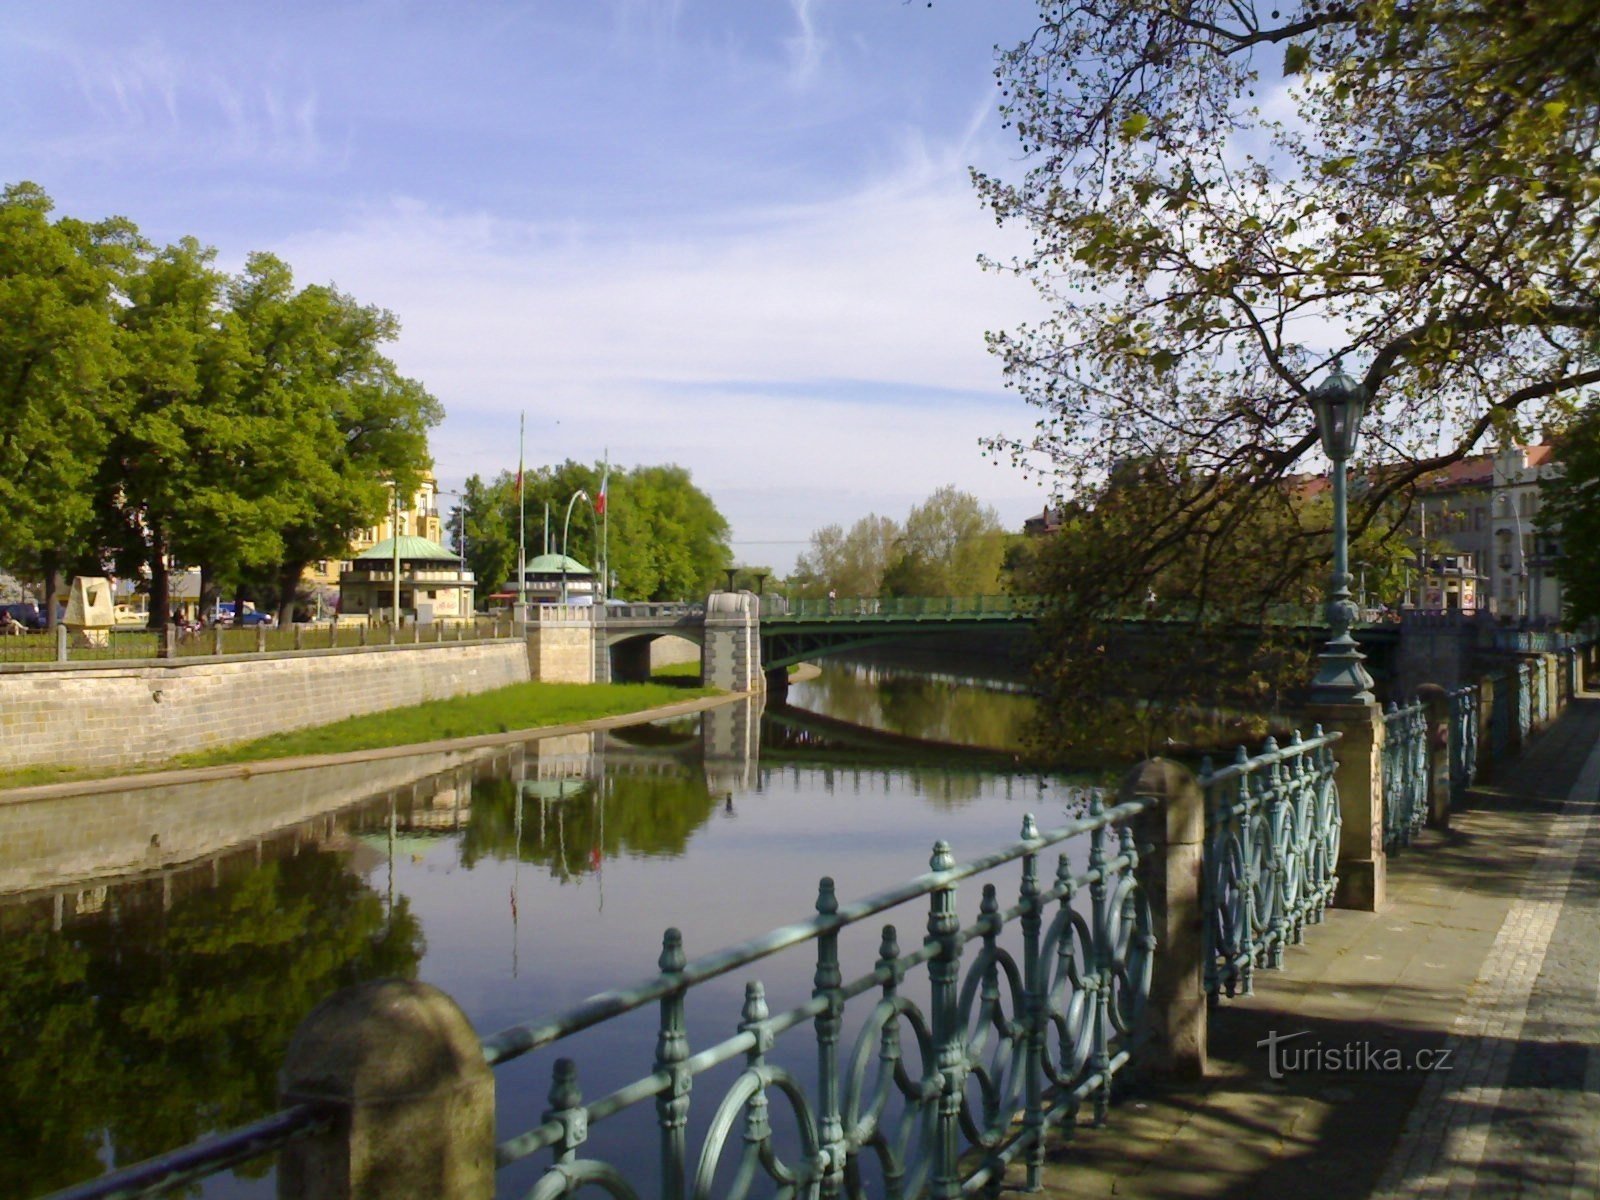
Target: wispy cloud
(805, 47)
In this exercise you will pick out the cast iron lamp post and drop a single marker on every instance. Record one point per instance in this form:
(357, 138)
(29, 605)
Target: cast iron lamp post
(1341, 679)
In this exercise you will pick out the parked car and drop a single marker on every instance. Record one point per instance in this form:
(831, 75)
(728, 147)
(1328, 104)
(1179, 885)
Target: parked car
(29, 616)
(256, 618)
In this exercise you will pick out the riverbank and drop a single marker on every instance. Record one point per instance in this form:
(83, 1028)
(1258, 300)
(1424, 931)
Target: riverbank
(517, 713)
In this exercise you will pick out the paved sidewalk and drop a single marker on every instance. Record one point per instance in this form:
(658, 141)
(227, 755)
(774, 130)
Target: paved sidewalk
(1486, 962)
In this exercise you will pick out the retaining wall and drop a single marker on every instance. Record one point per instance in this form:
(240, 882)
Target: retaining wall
(66, 840)
(129, 714)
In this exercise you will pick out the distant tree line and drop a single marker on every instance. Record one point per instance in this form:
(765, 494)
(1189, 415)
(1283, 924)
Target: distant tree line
(664, 537)
(157, 412)
(952, 544)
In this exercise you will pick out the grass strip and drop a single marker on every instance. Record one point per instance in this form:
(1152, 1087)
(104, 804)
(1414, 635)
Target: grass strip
(521, 706)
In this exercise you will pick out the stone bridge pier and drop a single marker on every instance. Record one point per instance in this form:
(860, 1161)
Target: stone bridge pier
(730, 737)
(731, 654)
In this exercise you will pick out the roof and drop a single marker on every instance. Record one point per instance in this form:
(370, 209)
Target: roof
(552, 564)
(411, 550)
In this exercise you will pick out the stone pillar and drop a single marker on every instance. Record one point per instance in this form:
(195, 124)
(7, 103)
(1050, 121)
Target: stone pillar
(1171, 841)
(1359, 778)
(401, 1068)
(731, 658)
(730, 739)
(777, 681)
(1436, 709)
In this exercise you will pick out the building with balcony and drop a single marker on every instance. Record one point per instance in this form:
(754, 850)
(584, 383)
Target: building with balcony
(419, 517)
(433, 586)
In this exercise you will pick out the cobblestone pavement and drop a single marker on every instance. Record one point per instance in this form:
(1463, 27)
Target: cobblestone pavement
(1454, 1045)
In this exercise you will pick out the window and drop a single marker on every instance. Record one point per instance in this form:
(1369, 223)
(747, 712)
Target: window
(1477, 518)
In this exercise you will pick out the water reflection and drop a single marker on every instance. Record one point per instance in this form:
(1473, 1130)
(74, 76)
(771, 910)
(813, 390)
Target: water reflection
(152, 978)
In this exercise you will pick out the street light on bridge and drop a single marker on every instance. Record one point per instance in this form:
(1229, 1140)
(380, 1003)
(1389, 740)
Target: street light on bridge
(1338, 402)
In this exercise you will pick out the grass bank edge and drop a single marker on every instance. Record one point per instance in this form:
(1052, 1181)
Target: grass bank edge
(519, 707)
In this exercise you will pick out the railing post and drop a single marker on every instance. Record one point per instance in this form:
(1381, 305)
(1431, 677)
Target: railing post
(412, 1099)
(169, 641)
(1034, 984)
(826, 986)
(944, 928)
(672, 1047)
(1359, 778)
(1437, 733)
(1171, 839)
(61, 642)
(261, 639)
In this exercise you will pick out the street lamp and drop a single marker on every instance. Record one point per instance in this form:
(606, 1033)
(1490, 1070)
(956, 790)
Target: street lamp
(1341, 679)
(565, 526)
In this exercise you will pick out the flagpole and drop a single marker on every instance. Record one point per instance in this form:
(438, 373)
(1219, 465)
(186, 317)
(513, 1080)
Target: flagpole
(605, 531)
(522, 524)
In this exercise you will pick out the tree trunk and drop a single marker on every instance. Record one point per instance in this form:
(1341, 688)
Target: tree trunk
(50, 567)
(209, 595)
(160, 581)
(288, 586)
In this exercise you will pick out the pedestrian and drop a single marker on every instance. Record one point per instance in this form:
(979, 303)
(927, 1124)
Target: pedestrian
(832, 596)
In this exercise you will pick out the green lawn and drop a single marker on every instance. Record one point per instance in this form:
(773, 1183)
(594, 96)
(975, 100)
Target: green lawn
(521, 706)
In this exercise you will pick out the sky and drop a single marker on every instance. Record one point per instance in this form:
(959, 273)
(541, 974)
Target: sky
(736, 235)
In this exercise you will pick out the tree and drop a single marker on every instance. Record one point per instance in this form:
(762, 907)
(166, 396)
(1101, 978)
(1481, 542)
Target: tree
(852, 564)
(667, 538)
(1430, 211)
(58, 365)
(952, 545)
(491, 539)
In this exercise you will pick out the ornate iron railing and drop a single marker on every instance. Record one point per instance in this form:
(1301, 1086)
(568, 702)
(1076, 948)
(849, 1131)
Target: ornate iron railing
(1038, 1037)
(1271, 857)
(1501, 702)
(1464, 717)
(858, 607)
(1522, 680)
(1405, 773)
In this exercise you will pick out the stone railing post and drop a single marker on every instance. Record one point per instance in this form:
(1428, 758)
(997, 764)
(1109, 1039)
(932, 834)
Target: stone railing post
(169, 641)
(1171, 841)
(1436, 711)
(61, 642)
(413, 1099)
(1485, 689)
(1359, 778)
(261, 639)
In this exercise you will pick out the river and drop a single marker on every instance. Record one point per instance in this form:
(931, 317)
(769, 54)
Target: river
(147, 1001)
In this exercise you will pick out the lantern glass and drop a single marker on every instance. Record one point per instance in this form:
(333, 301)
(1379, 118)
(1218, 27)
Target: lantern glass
(1339, 402)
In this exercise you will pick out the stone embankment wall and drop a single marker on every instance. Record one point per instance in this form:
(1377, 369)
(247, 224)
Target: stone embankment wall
(56, 842)
(128, 714)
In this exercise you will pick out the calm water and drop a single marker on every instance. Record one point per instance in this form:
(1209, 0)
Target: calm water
(144, 1009)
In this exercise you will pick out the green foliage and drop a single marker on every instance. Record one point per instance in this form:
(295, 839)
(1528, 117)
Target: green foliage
(58, 360)
(667, 540)
(1430, 210)
(952, 544)
(154, 409)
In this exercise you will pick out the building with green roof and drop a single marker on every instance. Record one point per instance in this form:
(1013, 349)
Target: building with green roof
(433, 584)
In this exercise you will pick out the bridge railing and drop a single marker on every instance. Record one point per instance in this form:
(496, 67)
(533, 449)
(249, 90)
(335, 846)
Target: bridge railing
(1405, 773)
(858, 607)
(1271, 854)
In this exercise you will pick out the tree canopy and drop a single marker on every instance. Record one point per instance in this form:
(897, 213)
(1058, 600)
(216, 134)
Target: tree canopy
(952, 544)
(666, 539)
(1569, 510)
(1225, 198)
(156, 411)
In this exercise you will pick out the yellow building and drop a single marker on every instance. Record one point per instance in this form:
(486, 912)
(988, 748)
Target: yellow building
(419, 517)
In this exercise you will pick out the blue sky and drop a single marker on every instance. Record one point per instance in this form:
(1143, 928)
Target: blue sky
(735, 235)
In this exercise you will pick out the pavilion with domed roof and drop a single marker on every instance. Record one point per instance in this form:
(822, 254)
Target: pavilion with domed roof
(433, 584)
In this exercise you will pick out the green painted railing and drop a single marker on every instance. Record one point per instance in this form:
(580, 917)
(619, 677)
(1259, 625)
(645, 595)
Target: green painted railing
(135, 645)
(1405, 773)
(899, 607)
(1271, 855)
